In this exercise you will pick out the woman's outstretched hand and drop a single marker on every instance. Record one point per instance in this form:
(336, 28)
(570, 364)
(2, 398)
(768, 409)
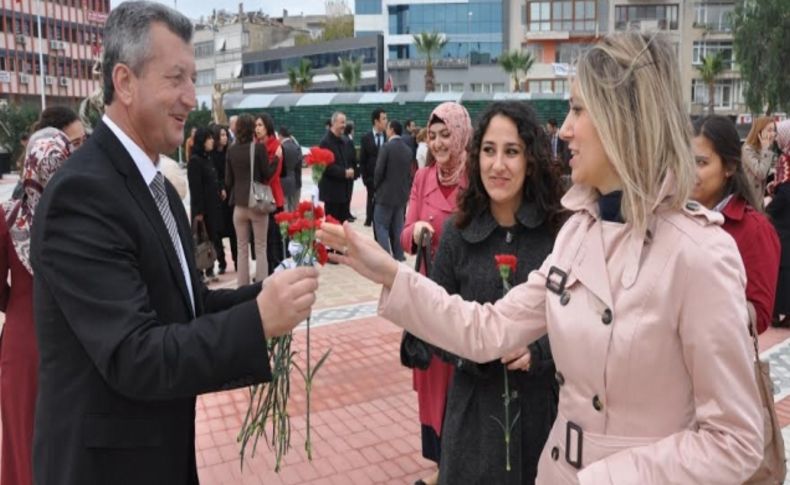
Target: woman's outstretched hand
(359, 252)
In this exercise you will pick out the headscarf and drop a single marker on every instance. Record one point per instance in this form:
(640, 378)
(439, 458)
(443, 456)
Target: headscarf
(783, 161)
(458, 122)
(47, 149)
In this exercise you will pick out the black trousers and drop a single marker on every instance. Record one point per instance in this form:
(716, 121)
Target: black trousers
(370, 204)
(338, 210)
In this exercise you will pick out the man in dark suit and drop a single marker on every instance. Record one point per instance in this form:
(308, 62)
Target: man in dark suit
(368, 152)
(336, 186)
(392, 180)
(127, 333)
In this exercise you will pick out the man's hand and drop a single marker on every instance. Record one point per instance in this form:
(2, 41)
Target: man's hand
(199, 217)
(349, 173)
(286, 299)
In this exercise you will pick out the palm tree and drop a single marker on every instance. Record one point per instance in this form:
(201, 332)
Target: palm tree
(712, 66)
(301, 78)
(429, 45)
(349, 72)
(515, 61)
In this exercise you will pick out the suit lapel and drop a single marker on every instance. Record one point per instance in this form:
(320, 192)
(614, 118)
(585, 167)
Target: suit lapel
(120, 158)
(590, 265)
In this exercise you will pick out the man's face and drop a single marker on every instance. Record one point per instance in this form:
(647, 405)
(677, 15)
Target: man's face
(162, 96)
(381, 123)
(410, 126)
(551, 129)
(390, 131)
(339, 125)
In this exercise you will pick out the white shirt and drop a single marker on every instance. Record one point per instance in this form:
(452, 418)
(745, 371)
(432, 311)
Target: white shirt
(148, 169)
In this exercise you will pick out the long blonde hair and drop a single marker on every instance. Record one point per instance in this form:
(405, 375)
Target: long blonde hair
(757, 127)
(630, 84)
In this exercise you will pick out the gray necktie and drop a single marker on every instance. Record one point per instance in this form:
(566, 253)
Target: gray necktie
(160, 196)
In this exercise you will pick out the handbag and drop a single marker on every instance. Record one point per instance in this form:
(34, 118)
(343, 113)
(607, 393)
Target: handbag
(773, 468)
(205, 254)
(415, 353)
(261, 196)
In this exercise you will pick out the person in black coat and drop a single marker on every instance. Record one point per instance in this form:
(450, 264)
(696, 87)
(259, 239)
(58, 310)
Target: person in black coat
(127, 333)
(510, 207)
(335, 187)
(205, 191)
(368, 153)
(225, 227)
(392, 181)
(778, 211)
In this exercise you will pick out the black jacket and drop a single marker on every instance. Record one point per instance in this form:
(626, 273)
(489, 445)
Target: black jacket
(122, 355)
(392, 178)
(291, 174)
(204, 191)
(368, 153)
(334, 186)
(473, 448)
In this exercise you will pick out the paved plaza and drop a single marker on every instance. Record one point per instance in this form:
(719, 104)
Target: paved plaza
(364, 411)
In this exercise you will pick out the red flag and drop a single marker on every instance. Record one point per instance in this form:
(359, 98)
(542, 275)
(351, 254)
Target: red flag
(96, 48)
(388, 84)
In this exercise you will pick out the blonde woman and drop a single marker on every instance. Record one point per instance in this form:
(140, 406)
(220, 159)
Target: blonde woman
(643, 295)
(758, 154)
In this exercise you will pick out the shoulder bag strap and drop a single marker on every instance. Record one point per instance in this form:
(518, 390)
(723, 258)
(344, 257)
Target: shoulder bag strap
(252, 166)
(424, 252)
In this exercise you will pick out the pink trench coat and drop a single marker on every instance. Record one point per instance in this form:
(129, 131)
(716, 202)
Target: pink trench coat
(649, 335)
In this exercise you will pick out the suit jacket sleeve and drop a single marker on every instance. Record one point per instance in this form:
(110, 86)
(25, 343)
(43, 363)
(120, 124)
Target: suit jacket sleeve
(381, 166)
(195, 178)
(86, 255)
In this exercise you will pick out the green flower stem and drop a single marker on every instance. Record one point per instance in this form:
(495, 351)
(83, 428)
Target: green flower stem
(506, 395)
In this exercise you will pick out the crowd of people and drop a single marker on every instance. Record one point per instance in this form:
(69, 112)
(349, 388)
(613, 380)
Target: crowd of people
(651, 250)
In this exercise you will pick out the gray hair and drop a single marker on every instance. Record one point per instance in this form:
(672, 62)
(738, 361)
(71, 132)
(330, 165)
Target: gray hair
(127, 39)
(335, 115)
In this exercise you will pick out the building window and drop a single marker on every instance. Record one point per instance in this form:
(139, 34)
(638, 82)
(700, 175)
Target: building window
(724, 92)
(488, 87)
(205, 77)
(634, 16)
(561, 86)
(536, 51)
(568, 53)
(562, 16)
(703, 49)
(540, 86)
(204, 49)
(714, 16)
(450, 87)
(539, 16)
(367, 7)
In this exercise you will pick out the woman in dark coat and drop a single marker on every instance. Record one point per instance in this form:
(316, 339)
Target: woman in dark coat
(511, 207)
(225, 225)
(204, 189)
(779, 212)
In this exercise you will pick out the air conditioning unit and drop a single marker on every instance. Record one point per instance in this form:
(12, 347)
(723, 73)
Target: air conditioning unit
(49, 80)
(64, 81)
(20, 39)
(56, 45)
(24, 78)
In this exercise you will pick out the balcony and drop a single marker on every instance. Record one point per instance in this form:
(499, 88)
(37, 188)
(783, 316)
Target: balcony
(442, 63)
(645, 25)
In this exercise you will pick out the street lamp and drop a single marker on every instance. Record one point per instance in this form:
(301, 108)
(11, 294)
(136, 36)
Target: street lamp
(469, 38)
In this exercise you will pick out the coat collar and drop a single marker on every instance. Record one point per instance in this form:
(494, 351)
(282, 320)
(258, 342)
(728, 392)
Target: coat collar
(584, 199)
(480, 228)
(735, 209)
(432, 185)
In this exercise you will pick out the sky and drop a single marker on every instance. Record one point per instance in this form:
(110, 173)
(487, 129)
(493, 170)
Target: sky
(196, 8)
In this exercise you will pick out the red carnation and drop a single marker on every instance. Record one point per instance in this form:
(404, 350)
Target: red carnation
(318, 212)
(304, 207)
(507, 260)
(321, 253)
(332, 220)
(282, 217)
(319, 156)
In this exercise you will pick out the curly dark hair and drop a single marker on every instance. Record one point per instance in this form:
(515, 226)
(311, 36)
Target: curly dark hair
(541, 185)
(245, 129)
(201, 135)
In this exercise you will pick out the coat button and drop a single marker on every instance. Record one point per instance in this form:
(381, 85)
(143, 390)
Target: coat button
(565, 298)
(606, 317)
(559, 378)
(692, 206)
(597, 404)
(555, 453)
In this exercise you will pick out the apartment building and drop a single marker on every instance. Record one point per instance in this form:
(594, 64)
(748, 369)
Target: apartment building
(71, 39)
